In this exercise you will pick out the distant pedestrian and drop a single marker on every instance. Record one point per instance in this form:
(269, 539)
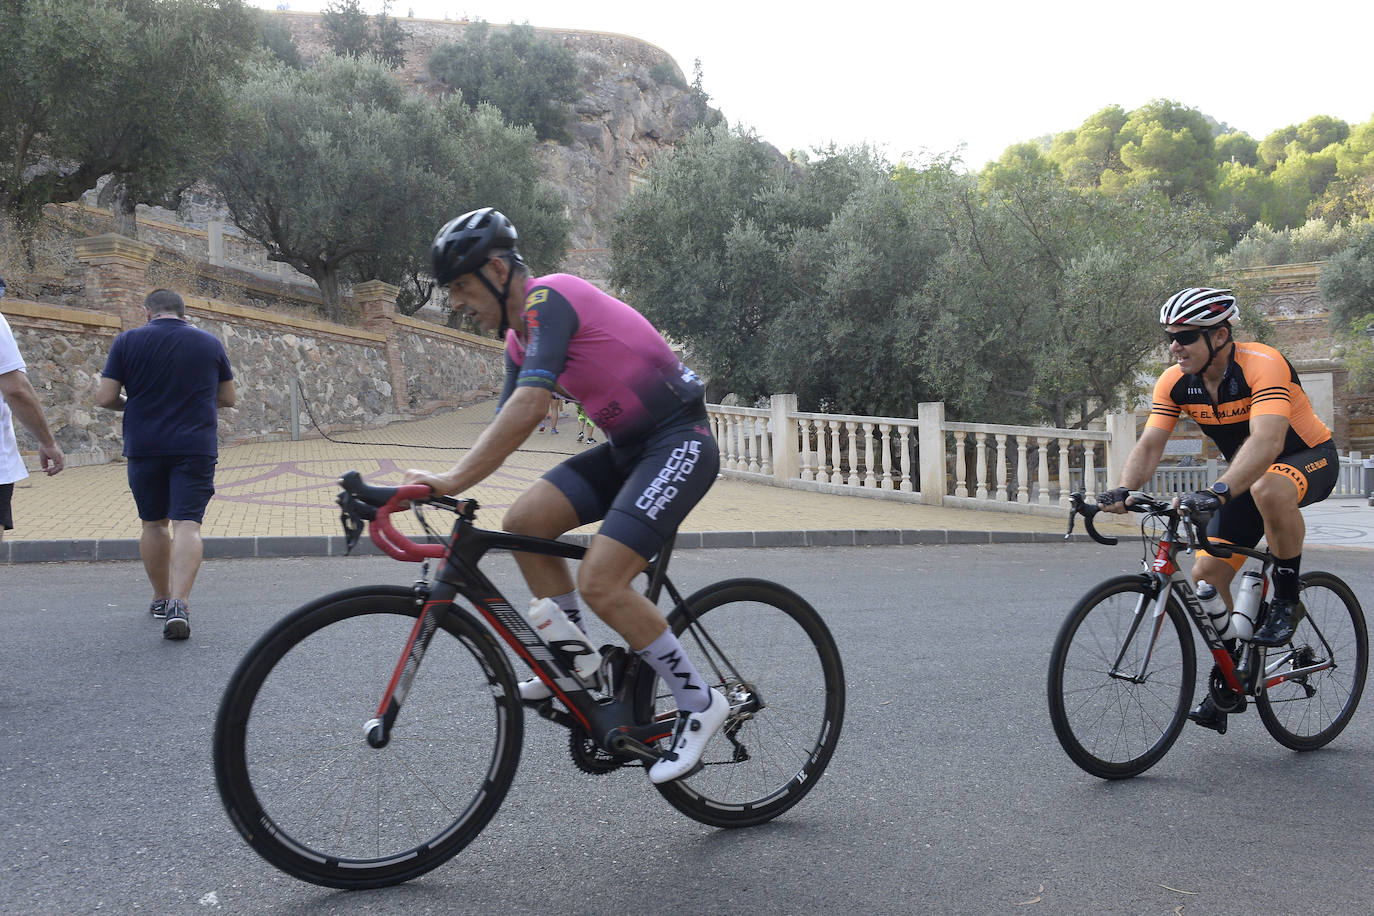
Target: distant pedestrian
(551, 418)
(585, 428)
(18, 399)
(174, 377)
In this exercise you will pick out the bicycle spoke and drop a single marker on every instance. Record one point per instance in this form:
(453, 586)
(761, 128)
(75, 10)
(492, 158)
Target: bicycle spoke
(1116, 725)
(1311, 709)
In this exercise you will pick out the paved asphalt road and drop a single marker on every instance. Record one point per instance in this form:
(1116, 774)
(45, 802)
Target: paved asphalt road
(948, 794)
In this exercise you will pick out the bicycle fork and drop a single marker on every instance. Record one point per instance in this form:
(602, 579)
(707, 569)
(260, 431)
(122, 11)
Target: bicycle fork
(1154, 612)
(378, 729)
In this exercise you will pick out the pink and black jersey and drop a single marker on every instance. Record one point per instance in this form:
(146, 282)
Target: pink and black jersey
(604, 354)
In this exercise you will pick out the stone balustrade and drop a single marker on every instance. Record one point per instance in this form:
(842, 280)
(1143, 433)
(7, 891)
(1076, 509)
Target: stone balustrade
(934, 461)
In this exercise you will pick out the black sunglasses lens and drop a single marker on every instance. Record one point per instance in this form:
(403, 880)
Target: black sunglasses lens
(1184, 338)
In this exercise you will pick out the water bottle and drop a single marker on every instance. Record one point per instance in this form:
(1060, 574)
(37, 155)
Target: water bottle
(563, 636)
(1246, 607)
(1215, 606)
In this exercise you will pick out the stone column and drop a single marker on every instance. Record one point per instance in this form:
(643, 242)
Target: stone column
(1122, 427)
(377, 306)
(786, 461)
(117, 275)
(930, 443)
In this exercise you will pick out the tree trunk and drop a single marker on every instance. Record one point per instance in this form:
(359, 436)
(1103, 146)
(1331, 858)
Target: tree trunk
(327, 279)
(115, 195)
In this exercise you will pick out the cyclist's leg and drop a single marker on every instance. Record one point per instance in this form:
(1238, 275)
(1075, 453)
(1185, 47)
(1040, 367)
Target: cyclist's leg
(669, 475)
(1237, 522)
(542, 511)
(1295, 480)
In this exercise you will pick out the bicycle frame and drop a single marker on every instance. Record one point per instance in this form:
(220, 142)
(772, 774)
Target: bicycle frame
(1169, 579)
(608, 722)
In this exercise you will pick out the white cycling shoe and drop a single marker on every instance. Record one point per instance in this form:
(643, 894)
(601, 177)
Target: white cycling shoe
(690, 737)
(533, 690)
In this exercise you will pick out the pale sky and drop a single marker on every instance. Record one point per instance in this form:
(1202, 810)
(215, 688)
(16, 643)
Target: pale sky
(921, 79)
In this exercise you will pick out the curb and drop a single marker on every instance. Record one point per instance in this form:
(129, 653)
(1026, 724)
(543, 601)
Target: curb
(278, 547)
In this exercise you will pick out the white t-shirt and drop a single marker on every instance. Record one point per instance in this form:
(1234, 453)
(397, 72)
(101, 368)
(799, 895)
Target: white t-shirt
(11, 464)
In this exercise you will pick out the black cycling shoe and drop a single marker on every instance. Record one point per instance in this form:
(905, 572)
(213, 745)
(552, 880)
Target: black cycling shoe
(1279, 623)
(1207, 715)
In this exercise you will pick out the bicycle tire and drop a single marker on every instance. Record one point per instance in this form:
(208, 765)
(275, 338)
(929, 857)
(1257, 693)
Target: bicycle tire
(305, 789)
(1114, 727)
(1309, 711)
(773, 756)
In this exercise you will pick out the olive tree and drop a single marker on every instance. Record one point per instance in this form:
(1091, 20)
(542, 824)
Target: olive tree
(340, 172)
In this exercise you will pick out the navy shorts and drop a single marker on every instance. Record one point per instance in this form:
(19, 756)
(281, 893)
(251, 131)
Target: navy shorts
(645, 490)
(6, 514)
(172, 486)
(1314, 471)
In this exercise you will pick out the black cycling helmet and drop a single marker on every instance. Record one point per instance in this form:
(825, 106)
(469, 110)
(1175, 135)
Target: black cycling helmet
(466, 243)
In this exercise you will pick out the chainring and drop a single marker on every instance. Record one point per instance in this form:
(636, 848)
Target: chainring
(1226, 699)
(588, 756)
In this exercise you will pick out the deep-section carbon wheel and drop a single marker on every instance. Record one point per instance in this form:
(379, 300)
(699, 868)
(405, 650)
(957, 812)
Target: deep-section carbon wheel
(1115, 715)
(772, 656)
(1315, 682)
(295, 769)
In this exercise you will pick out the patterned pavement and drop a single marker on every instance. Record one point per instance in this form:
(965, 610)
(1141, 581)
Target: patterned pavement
(276, 499)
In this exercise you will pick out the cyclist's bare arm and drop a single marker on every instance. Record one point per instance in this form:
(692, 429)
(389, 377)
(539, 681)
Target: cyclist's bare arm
(512, 426)
(1141, 463)
(1257, 453)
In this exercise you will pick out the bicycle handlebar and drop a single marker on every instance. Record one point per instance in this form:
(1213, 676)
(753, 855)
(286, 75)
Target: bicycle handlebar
(1144, 503)
(362, 501)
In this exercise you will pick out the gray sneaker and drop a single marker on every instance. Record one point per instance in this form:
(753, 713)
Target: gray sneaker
(159, 608)
(177, 624)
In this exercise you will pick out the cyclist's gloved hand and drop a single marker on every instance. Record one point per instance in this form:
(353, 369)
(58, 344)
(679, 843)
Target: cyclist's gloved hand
(1114, 500)
(1203, 501)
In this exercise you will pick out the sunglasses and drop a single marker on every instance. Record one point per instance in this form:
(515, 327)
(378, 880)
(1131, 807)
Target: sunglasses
(1184, 338)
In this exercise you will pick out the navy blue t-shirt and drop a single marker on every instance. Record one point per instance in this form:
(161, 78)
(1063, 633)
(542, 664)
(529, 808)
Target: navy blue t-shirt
(171, 373)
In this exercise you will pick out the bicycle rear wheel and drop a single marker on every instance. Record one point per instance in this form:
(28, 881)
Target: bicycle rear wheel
(772, 656)
(1306, 711)
(1112, 720)
(301, 783)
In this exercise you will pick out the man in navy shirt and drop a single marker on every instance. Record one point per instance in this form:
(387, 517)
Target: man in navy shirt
(175, 377)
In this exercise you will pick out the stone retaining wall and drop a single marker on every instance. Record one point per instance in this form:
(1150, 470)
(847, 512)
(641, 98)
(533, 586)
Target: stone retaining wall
(347, 377)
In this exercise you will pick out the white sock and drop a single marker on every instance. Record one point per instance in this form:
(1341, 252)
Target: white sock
(568, 605)
(667, 657)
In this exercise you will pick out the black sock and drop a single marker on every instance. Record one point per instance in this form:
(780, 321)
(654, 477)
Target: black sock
(1285, 577)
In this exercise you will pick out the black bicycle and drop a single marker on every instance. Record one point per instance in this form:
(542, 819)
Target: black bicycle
(1123, 669)
(342, 766)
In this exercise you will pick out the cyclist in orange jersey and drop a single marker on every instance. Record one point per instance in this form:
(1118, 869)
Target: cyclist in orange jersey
(1248, 400)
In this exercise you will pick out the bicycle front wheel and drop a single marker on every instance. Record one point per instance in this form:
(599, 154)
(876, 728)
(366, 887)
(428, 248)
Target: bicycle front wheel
(1120, 681)
(772, 656)
(1305, 709)
(294, 768)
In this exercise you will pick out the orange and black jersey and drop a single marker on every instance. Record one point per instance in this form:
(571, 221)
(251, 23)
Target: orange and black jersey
(1258, 381)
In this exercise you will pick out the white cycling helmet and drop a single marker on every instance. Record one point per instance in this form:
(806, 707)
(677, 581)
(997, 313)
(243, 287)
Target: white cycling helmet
(1199, 306)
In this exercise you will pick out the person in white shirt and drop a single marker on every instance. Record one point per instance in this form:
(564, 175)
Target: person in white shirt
(18, 399)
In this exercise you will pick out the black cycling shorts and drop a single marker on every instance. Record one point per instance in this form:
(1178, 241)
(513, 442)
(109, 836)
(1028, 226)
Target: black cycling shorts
(645, 490)
(1314, 471)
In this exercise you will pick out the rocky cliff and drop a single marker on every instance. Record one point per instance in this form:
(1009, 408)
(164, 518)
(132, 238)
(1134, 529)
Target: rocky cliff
(624, 118)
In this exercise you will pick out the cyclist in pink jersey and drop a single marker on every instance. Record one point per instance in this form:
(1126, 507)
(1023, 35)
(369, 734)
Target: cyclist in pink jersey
(564, 335)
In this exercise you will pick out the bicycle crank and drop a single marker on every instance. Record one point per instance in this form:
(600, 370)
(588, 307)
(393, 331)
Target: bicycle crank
(1226, 699)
